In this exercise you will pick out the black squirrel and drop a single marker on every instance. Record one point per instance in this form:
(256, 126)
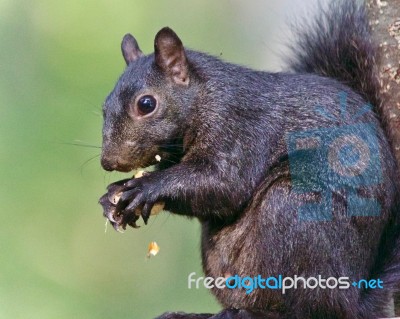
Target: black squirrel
(239, 151)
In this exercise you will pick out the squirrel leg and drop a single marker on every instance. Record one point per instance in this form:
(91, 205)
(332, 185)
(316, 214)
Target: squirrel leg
(200, 192)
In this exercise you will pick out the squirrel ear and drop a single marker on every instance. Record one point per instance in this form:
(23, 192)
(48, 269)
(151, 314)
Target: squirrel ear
(170, 56)
(130, 49)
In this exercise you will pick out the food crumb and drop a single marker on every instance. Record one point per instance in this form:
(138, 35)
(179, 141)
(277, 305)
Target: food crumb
(153, 249)
(139, 174)
(158, 158)
(157, 208)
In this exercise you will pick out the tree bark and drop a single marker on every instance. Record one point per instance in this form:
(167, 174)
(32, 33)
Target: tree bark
(385, 25)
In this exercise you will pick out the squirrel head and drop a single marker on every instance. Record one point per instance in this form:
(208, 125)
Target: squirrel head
(150, 104)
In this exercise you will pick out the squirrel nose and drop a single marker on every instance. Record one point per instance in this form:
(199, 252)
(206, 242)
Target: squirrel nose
(115, 163)
(108, 164)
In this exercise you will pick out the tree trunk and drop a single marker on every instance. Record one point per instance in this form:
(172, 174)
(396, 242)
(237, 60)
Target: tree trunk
(385, 25)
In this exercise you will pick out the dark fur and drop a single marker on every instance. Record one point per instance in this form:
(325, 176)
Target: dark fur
(222, 138)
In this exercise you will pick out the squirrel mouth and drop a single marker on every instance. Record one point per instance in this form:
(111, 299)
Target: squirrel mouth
(124, 169)
(112, 164)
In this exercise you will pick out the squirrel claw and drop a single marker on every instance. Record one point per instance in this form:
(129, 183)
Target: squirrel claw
(127, 200)
(146, 211)
(116, 227)
(109, 212)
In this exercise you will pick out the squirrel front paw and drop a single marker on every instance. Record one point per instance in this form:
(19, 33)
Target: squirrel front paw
(109, 203)
(127, 200)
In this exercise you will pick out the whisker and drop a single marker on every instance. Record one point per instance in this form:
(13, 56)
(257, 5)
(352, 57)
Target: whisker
(107, 175)
(169, 160)
(80, 145)
(89, 102)
(175, 154)
(175, 150)
(87, 162)
(166, 219)
(171, 145)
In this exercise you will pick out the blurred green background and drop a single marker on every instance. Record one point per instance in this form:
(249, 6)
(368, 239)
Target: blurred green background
(58, 61)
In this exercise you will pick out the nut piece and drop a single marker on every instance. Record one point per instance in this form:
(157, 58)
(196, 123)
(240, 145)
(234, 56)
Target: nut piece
(153, 249)
(139, 174)
(158, 207)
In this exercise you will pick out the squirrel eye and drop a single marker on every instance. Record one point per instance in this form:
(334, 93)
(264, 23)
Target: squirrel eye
(146, 104)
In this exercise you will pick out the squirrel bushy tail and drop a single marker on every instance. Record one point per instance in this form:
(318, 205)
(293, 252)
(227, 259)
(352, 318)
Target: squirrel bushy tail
(338, 44)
